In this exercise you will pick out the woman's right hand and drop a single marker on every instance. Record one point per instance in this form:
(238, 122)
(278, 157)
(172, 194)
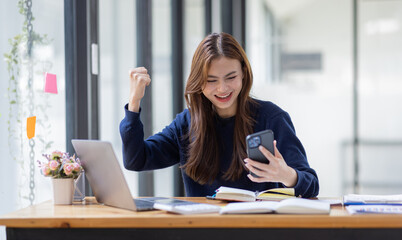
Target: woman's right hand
(139, 79)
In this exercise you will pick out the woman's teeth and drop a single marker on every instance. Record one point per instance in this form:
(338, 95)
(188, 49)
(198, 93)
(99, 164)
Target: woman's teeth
(227, 95)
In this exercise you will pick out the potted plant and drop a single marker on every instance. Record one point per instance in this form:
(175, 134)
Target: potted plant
(63, 169)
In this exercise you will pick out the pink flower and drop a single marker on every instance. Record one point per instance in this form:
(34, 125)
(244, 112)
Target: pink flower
(56, 154)
(68, 169)
(53, 165)
(60, 165)
(45, 170)
(76, 167)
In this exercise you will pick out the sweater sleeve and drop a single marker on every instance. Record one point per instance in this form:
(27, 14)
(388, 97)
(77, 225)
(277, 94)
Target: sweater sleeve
(158, 151)
(295, 156)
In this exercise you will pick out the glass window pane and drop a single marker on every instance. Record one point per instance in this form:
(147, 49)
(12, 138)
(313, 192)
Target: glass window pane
(380, 87)
(162, 84)
(49, 109)
(117, 56)
(194, 31)
(301, 55)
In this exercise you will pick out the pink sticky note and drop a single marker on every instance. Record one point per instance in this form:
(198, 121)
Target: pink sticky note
(50, 83)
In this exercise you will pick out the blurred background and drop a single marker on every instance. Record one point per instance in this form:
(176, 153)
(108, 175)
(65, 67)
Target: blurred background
(333, 65)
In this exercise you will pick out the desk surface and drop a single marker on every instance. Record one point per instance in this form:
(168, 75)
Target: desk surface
(92, 215)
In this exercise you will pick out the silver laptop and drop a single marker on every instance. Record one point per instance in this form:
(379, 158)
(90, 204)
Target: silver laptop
(109, 186)
(105, 176)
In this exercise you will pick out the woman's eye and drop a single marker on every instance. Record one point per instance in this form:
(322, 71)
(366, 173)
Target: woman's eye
(229, 78)
(211, 81)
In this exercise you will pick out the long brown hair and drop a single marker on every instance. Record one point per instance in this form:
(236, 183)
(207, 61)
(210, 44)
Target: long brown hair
(203, 153)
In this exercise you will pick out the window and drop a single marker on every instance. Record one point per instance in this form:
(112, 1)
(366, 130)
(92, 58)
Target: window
(49, 109)
(117, 48)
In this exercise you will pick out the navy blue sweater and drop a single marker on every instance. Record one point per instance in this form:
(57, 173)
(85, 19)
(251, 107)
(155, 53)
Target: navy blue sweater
(168, 147)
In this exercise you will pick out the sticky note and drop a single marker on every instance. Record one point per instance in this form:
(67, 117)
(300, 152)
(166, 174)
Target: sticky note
(31, 122)
(50, 83)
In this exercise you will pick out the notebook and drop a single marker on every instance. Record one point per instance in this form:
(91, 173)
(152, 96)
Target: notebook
(106, 178)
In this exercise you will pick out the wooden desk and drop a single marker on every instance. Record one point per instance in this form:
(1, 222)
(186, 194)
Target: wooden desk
(90, 220)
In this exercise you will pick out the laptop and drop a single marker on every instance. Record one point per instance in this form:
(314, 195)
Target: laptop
(109, 186)
(106, 178)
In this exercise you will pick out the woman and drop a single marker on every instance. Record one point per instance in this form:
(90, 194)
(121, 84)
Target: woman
(208, 138)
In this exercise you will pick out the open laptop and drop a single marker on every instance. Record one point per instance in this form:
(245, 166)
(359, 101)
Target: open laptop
(105, 176)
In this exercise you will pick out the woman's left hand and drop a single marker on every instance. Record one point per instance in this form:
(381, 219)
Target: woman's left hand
(275, 171)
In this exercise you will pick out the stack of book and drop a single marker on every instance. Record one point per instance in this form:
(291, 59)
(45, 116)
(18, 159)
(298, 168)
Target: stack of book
(384, 204)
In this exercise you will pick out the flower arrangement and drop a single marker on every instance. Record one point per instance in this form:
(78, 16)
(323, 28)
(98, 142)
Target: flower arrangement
(60, 165)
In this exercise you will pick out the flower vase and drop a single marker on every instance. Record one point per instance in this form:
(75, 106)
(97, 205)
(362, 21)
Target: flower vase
(63, 191)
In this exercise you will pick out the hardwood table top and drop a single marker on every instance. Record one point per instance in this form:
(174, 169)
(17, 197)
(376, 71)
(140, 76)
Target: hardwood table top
(89, 214)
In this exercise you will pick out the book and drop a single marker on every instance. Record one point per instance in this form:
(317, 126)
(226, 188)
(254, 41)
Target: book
(286, 206)
(236, 194)
(359, 199)
(378, 209)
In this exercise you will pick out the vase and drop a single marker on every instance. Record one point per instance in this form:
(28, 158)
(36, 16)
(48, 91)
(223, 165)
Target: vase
(63, 191)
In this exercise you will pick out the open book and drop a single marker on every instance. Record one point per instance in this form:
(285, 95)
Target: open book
(287, 206)
(236, 194)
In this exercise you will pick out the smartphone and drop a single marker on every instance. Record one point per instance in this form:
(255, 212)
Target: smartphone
(253, 141)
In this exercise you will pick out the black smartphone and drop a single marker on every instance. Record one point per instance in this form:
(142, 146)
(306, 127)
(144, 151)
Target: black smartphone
(253, 141)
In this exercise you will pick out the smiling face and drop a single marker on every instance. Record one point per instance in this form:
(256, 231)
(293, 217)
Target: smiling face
(223, 85)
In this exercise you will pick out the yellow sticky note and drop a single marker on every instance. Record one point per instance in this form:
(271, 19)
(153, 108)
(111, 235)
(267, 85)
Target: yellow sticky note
(31, 122)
